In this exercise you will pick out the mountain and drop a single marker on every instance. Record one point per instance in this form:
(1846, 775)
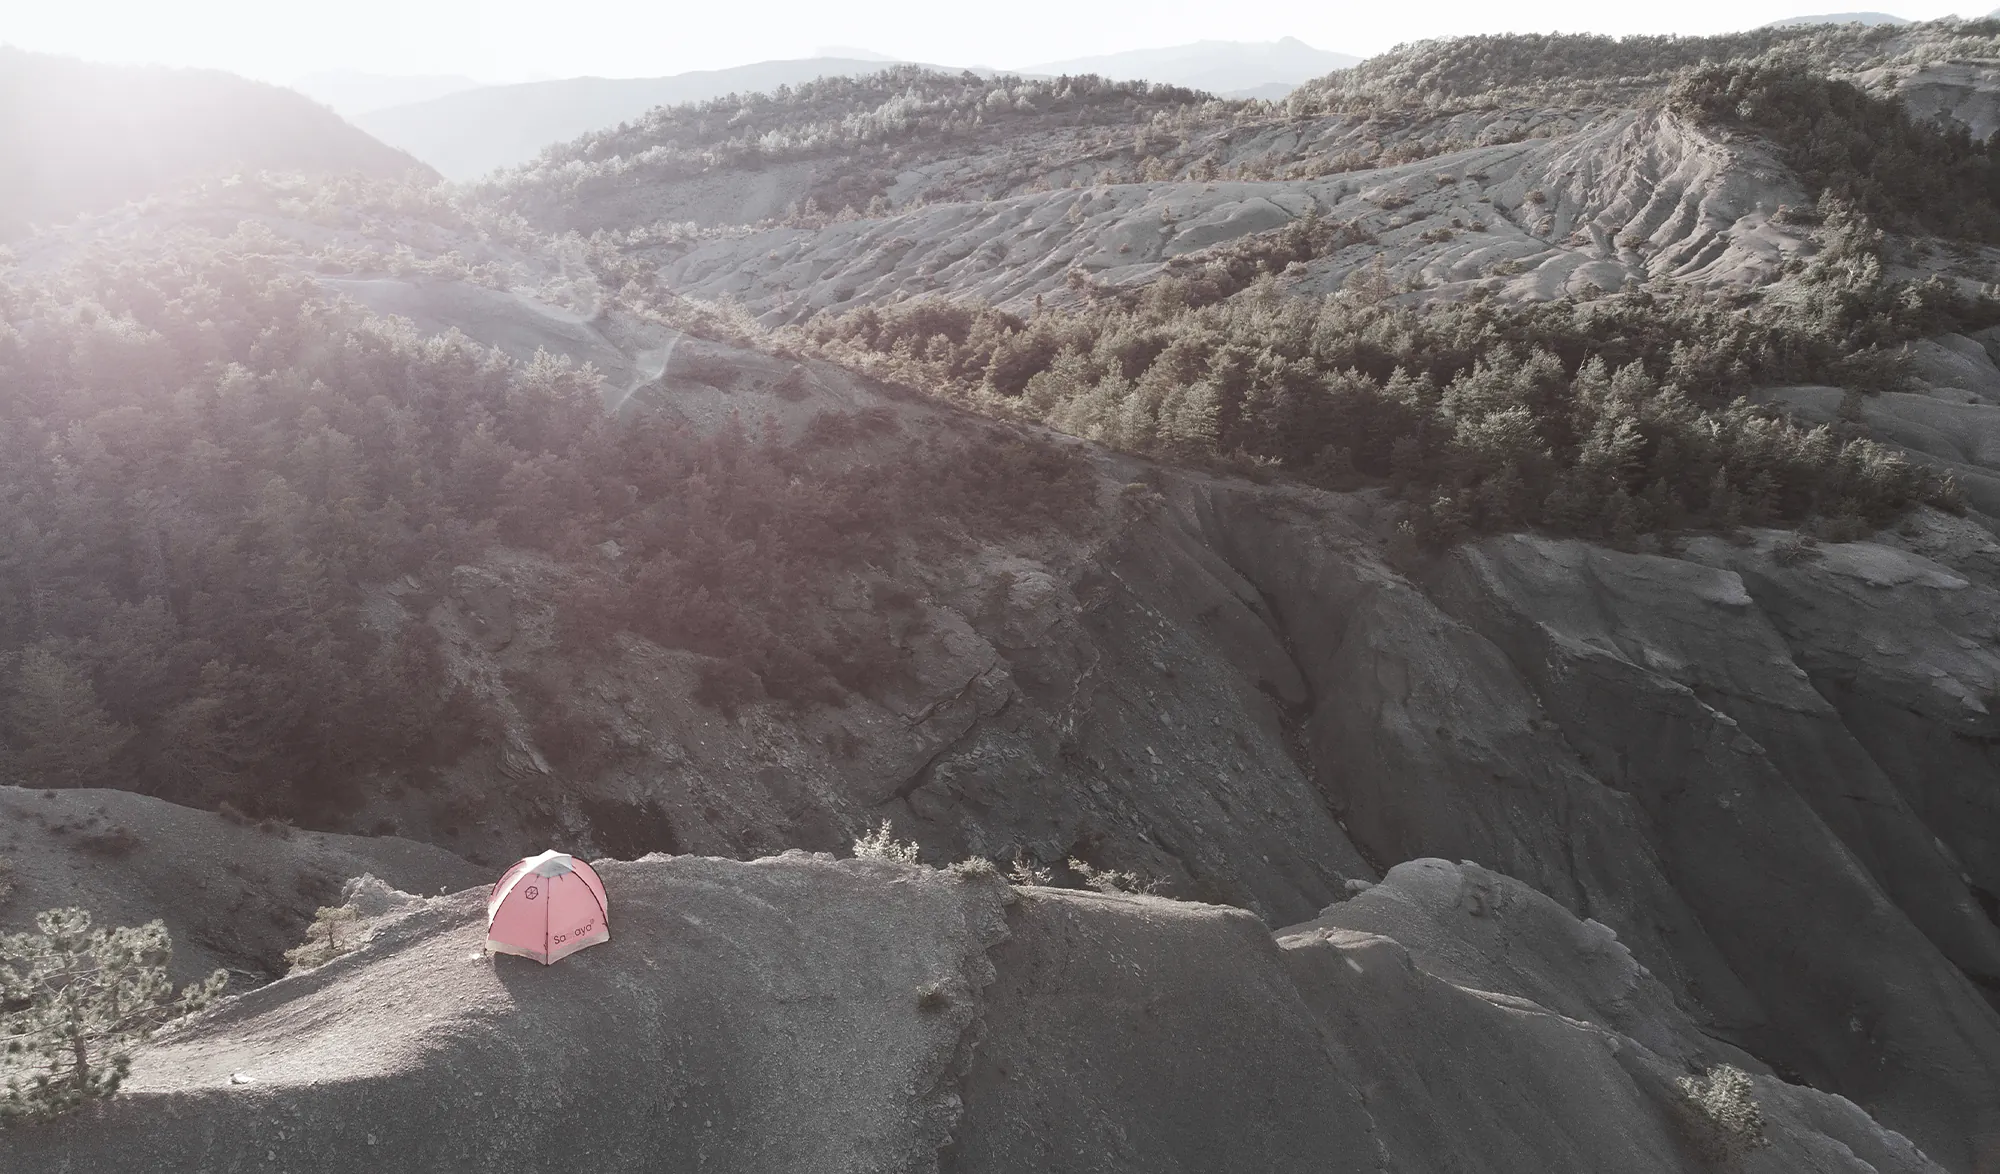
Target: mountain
(1216, 66)
(1443, 623)
(77, 136)
(351, 93)
(850, 53)
(1862, 18)
(467, 135)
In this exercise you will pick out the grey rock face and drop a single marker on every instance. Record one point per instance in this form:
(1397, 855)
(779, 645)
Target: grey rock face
(1641, 737)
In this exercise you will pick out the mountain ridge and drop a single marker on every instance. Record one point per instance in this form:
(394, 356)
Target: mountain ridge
(1215, 66)
(82, 137)
(470, 134)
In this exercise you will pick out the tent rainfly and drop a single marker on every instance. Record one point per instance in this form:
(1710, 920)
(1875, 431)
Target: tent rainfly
(547, 907)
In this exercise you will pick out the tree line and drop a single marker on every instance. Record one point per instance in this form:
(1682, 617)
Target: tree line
(208, 470)
(1609, 418)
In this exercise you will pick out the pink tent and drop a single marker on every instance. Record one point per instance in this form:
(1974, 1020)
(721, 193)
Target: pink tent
(547, 907)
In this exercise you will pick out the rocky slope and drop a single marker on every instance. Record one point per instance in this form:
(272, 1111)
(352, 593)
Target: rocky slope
(797, 1013)
(1624, 198)
(233, 894)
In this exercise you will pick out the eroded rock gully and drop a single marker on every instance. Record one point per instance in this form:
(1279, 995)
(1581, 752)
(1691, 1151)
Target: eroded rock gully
(1640, 737)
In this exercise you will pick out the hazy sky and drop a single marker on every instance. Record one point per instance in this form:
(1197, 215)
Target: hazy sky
(499, 40)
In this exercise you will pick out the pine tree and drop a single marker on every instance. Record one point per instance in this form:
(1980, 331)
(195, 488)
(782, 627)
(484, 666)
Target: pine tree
(61, 734)
(333, 932)
(1188, 420)
(75, 1001)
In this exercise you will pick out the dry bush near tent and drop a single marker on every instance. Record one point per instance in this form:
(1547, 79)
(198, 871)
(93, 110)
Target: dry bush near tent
(335, 930)
(973, 868)
(1112, 880)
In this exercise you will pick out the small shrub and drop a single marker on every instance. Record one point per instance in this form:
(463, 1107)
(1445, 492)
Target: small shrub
(1726, 1122)
(881, 844)
(973, 868)
(1025, 871)
(1794, 549)
(115, 842)
(1111, 880)
(933, 997)
(75, 1001)
(1537, 196)
(333, 932)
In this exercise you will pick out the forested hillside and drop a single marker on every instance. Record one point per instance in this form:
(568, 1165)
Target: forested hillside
(869, 127)
(1461, 72)
(1607, 418)
(205, 463)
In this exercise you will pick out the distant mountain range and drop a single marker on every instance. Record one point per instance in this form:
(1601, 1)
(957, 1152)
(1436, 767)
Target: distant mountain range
(352, 93)
(469, 134)
(1247, 69)
(77, 136)
(467, 131)
(853, 54)
(1868, 18)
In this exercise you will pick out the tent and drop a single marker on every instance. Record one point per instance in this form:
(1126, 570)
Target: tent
(547, 907)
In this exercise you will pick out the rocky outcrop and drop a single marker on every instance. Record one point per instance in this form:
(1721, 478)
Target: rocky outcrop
(1641, 737)
(798, 1013)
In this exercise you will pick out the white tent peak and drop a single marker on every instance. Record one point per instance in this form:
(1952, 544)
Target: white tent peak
(552, 863)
